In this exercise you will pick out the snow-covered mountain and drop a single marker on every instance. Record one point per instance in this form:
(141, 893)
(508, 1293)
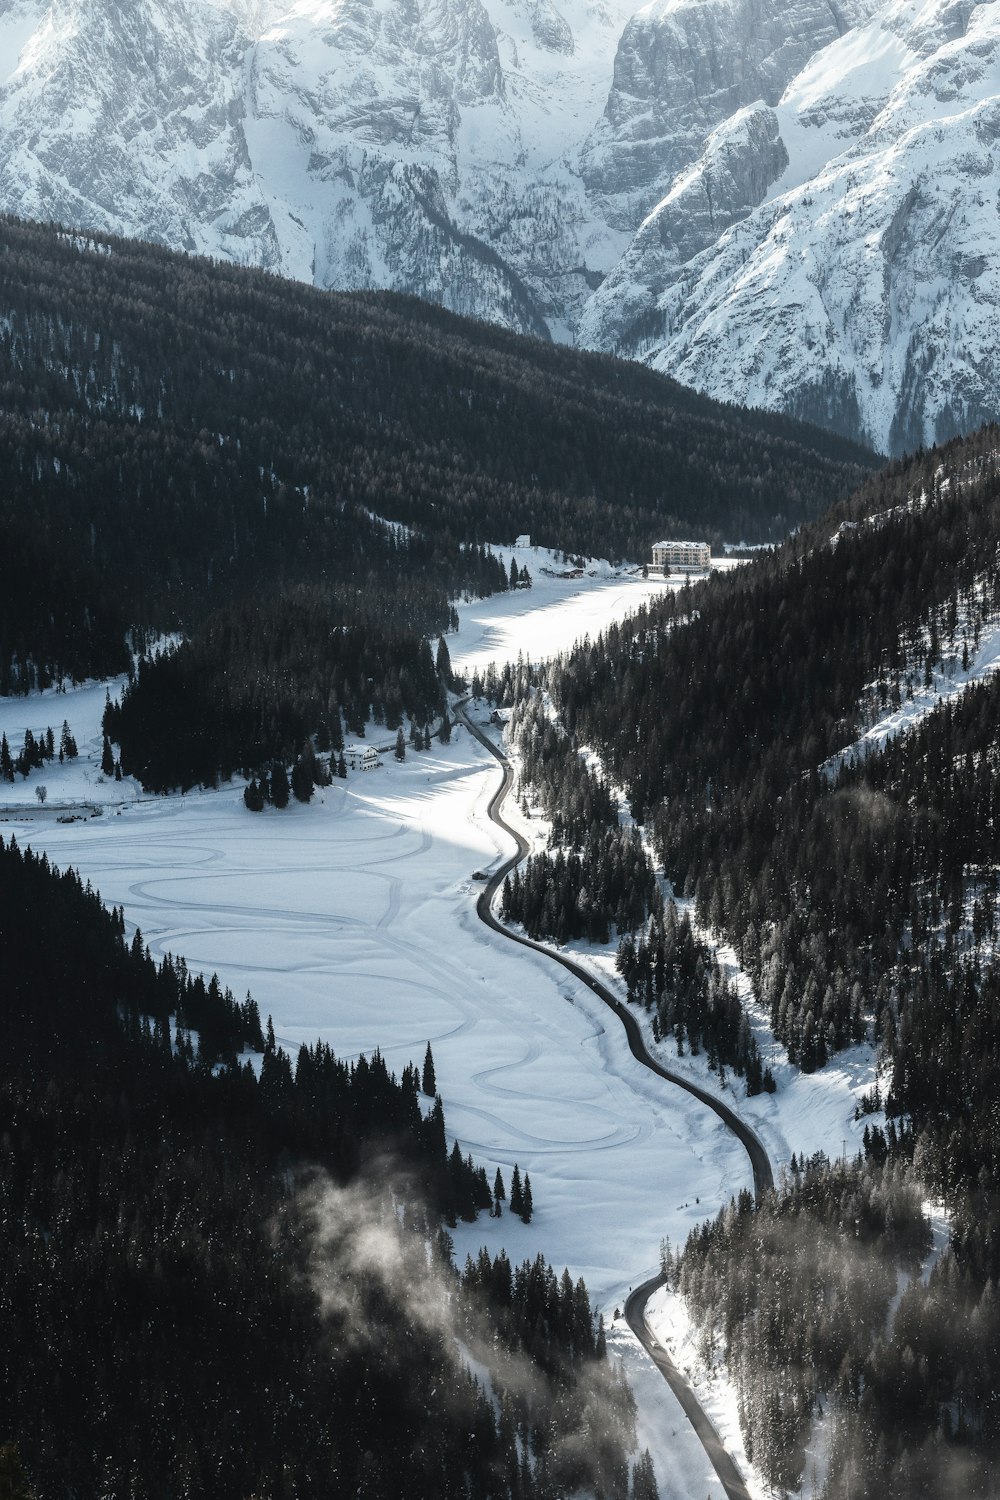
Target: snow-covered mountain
(413, 144)
(684, 67)
(793, 205)
(835, 253)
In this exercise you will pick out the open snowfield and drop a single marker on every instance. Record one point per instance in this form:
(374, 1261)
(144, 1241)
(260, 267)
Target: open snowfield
(556, 612)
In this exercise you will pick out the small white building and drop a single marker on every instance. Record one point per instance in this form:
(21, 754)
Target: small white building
(362, 758)
(682, 557)
(523, 541)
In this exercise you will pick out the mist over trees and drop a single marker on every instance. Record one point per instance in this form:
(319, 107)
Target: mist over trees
(796, 1294)
(860, 894)
(191, 1302)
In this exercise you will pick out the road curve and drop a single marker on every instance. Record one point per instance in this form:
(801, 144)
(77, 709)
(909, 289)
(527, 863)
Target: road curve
(729, 1475)
(763, 1178)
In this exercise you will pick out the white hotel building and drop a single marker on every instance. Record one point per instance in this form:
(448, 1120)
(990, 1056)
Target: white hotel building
(682, 557)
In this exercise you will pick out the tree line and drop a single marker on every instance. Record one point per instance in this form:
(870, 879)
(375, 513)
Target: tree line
(272, 681)
(35, 751)
(595, 879)
(676, 977)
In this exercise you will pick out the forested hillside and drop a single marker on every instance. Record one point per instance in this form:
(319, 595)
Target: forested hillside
(176, 434)
(824, 1300)
(222, 1282)
(595, 876)
(268, 681)
(719, 709)
(858, 886)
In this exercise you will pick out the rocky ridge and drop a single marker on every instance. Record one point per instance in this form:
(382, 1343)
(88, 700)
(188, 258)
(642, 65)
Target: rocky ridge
(350, 143)
(834, 256)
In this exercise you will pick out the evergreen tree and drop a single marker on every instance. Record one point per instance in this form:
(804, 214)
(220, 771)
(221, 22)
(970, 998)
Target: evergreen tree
(644, 1478)
(526, 1204)
(400, 744)
(428, 1080)
(302, 779)
(279, 789)
(107, 758)
(443, 662)
(516, 1191)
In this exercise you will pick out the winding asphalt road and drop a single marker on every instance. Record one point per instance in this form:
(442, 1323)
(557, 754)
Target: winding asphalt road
(635, 1308)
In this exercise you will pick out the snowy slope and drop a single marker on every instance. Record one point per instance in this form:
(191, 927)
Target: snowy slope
(835, 254)
(353, 143)
(683, 68)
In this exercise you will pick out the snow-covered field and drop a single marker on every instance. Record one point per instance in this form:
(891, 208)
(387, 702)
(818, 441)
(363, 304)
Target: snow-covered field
(353, 919)
(556, 612)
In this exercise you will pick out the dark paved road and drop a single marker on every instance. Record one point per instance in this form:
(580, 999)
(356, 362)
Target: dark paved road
(727, 1471)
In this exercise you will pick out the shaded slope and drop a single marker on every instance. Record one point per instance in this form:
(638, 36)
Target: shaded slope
(175, 433)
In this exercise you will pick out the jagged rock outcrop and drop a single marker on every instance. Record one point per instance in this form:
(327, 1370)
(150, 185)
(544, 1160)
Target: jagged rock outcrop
(685, 66)
(413, 144)
(741, 160)
(862, 290)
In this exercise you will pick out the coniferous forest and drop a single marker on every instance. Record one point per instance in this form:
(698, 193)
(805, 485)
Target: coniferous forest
(263, 504)
(859, 889)
(596, 880)
(190, 1304)
(179, 437)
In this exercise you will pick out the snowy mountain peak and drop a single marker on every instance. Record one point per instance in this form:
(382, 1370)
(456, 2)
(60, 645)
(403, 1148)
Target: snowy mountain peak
(857, 289)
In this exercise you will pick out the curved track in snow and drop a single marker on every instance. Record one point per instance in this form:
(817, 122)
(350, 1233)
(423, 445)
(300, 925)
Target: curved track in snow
(635, 1308)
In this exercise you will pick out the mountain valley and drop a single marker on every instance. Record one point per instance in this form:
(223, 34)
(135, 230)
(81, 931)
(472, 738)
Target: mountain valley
(499, 749)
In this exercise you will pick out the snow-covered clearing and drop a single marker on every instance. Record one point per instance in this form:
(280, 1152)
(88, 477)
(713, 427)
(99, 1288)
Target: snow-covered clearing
(353, 919)
(668, 1321)
(556, 612)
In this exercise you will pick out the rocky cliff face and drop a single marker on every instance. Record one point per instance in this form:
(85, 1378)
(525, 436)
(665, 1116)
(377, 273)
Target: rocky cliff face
(684, 67)
(413, 144)
(110, 118)
(859, 285)
(793, 205)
